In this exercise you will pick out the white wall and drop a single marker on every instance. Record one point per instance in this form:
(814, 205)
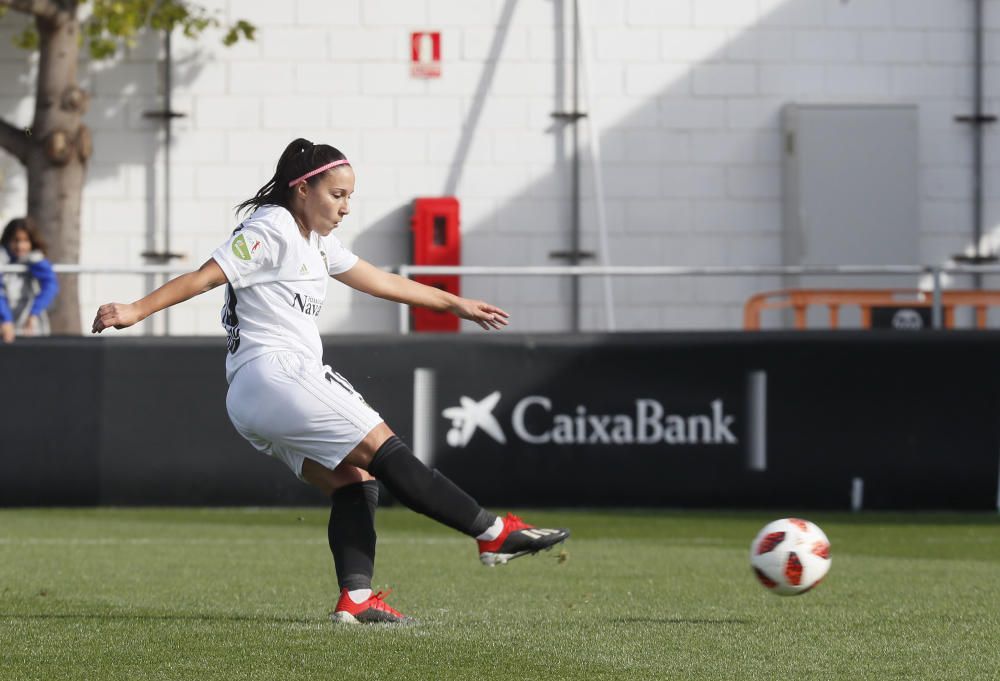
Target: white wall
(688, 94)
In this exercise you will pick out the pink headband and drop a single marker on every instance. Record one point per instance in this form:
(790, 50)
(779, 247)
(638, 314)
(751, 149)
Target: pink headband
(319, 170)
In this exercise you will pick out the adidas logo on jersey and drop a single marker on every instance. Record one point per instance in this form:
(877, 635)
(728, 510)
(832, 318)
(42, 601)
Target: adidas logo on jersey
(303, 269)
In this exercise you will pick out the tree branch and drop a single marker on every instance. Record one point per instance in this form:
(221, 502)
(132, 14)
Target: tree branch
(15, 140)
(46, 9)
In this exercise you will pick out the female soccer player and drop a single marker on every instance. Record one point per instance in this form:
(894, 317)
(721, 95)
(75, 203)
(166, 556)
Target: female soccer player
(290, 406)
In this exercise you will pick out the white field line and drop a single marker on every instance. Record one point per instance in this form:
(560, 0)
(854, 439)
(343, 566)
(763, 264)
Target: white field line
(218, 541)
(429, 541)
(978, 539)
(221, 541)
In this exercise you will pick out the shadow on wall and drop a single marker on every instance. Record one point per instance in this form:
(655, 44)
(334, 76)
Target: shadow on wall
(11, 185)
(691, 145)
(15, 109)
(385, 240)
(125, 182)
(122, 91)
(667, 177)
(484, 239)
(690, 139)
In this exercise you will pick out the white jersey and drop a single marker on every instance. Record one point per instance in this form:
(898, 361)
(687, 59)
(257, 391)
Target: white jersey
(277, 285)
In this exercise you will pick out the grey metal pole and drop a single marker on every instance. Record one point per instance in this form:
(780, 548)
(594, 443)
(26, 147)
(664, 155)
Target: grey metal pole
(757, 440)
(423, 415)
(574, 253)
(998, 491)
(977, 139)
(936, 309)
(167, 141)
(404, 310)
(857, 494)
(978, 119)
(594, 146)
(165, 116)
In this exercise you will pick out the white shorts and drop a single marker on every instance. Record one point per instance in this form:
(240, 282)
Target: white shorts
(294, 409)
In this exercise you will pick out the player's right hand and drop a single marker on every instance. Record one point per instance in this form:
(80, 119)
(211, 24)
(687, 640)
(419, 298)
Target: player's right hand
(482, 313)
(7, 332)
(118, 315)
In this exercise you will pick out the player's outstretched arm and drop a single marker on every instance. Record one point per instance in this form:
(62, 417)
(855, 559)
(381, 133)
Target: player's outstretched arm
(121, 315)
(369, 279)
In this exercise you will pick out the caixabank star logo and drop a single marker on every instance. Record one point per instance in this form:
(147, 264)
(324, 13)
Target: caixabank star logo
(472, 415)
(537, 420)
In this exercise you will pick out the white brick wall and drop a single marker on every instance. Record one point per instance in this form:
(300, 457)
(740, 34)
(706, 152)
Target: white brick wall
(688, 97)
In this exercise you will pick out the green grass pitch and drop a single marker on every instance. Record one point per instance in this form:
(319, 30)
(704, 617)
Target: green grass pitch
(244, 594)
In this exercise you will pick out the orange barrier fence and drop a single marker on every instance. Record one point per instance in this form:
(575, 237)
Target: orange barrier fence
(800, 300)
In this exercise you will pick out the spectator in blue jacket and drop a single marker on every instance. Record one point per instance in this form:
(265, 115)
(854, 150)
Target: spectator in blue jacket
(24, 296)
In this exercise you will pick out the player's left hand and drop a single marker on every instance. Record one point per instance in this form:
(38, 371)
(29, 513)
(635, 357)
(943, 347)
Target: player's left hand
(118, 315)
(31, 326)
(482, 313)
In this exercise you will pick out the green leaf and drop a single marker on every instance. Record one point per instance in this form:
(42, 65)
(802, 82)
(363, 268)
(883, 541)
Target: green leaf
(27, 39)
(102, 48)
(112, 24)
(248, 30)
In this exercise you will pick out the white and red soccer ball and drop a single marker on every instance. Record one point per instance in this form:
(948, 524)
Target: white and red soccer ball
(790, 556)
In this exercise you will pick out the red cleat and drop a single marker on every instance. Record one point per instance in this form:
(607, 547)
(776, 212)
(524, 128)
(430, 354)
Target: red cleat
(518, 539)
(373, 611)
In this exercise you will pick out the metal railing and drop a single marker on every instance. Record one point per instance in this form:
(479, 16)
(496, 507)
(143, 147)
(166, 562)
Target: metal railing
(935, 272)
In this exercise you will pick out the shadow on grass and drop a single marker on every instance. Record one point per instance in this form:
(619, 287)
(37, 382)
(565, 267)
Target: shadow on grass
(110, 617)
(160, 618)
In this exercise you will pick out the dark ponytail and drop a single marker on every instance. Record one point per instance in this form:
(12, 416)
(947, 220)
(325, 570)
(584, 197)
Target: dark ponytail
(296, 160)
(28, 225)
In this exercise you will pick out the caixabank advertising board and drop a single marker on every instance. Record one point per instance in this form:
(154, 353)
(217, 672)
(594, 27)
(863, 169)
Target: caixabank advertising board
(560, 426)
(782, 420)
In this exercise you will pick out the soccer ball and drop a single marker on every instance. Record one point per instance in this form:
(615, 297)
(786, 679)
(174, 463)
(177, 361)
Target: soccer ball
(790, 556)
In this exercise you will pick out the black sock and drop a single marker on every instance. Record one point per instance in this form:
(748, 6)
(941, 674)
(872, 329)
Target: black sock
(427, 491)
(352, 534)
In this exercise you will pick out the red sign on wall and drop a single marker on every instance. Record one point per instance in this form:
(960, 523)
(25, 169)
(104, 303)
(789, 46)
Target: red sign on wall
(425, 54)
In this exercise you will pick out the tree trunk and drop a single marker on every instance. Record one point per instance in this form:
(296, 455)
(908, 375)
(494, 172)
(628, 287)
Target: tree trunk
(57, 158)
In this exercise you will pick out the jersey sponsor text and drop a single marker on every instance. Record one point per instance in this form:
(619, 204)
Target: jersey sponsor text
(307, 304)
